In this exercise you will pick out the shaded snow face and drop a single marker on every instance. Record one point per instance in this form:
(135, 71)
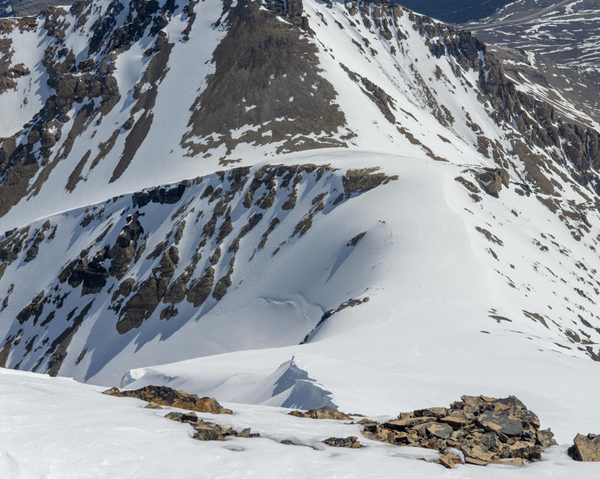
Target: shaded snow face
(226, 261)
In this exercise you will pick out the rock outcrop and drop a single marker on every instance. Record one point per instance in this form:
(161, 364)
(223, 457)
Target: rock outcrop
(492, 181)
(586, 448)
(166, 396)
(322, 413)
(484, 430)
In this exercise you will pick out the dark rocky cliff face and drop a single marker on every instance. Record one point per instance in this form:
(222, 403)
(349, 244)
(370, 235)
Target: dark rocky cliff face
(261, 63)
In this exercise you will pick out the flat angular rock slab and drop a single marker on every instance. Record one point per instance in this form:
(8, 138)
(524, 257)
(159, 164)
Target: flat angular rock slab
(166, 396)
(403, 424)
(449, 460)
(501, 423)
(442, 431)
(458, 419)
(586, 448)
(182, 417)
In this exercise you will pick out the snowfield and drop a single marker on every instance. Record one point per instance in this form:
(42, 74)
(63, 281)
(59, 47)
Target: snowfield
(369, 217)
(56, 428)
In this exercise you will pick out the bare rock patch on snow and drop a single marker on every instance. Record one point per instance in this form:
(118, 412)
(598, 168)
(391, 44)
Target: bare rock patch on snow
(166, 396)
(477, 430)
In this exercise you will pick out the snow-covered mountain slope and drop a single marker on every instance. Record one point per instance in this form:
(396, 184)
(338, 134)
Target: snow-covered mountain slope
(353, 177)
(55, 427)
(144, 94)
(258, 258)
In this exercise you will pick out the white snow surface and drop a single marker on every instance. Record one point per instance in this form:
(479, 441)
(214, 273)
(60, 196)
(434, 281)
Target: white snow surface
(464, 297)
(55, 428)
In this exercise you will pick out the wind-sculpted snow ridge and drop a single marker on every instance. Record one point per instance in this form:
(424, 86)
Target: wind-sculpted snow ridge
(126, 96)
(282, 255)
(288, 386)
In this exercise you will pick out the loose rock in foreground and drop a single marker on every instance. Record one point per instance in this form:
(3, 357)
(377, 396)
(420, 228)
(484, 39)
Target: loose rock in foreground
(350, 441)
(586, 448)
(322, 413)
(165, 396)
(208, 431)
(485, 430)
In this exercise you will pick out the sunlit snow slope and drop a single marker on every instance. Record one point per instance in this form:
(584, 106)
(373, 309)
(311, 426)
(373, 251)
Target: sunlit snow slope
(352, 184)
(55, 427)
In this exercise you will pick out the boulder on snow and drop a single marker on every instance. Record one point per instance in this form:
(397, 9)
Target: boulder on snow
(165, 396)
(182, 417)
(321, 413)
(350, 441)
(586, 448)
(484, 430)
(208, 431)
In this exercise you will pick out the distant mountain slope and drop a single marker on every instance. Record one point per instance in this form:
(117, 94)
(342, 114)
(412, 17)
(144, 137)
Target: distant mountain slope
(457, 11)
(561, 42)
(20, 8)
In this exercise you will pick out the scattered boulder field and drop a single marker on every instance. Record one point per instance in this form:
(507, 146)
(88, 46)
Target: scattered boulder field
(477, 430)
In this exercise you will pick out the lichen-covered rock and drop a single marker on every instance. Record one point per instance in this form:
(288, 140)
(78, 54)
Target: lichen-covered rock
(166, 396)
(449, 460)
(182, 417)
(321, 413)
(586, 448)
